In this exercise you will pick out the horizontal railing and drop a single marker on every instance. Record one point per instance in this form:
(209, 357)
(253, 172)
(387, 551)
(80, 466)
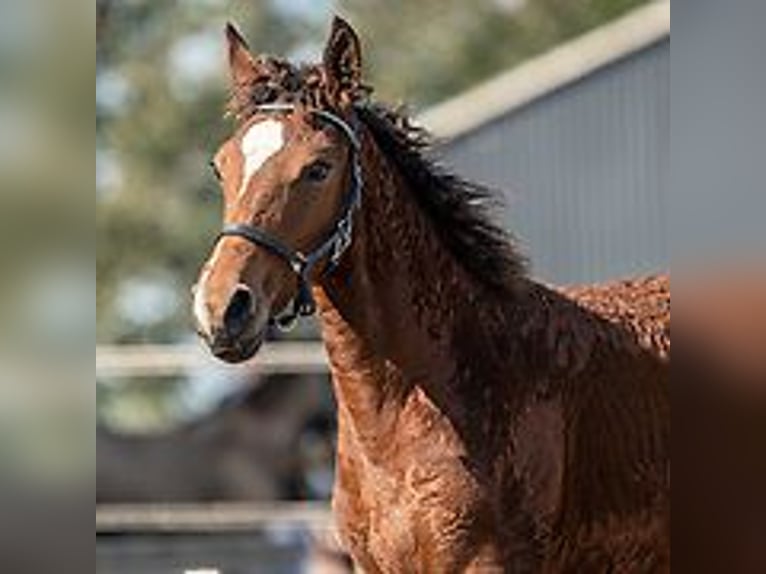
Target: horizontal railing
(210, 518)
(172, 360)
(213, 538)
(145, 361)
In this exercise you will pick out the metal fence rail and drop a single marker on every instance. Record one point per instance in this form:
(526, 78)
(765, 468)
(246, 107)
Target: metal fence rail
(221, 537)
(172, 360)
(210, 518)
(226, 538)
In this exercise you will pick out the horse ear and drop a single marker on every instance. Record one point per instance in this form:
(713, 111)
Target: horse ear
(342, 60)
(242, 65)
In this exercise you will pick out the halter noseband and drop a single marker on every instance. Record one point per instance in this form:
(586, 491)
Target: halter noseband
(333, 246)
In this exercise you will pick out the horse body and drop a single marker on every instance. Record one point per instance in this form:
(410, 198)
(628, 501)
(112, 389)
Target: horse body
(519, 432)
(487, 422)
(549, 473)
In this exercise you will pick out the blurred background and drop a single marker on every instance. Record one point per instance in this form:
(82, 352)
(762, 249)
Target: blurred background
(560, 105)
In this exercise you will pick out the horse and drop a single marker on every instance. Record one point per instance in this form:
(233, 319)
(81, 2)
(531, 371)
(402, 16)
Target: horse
(487, 422)
(237, 451)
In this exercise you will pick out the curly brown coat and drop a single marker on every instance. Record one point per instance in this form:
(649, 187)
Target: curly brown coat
(487, 422)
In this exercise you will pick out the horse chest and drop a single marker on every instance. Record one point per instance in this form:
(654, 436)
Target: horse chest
(425, 516)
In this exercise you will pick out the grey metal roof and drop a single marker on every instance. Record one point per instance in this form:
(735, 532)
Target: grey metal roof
(550, 71)
(583, 165)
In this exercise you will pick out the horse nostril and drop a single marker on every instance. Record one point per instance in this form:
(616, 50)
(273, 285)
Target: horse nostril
(238, 312)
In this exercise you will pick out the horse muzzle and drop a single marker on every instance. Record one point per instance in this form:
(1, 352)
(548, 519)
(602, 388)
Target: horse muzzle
(239, 330)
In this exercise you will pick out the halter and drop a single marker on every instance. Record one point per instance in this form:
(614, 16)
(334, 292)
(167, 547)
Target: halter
(333, 246)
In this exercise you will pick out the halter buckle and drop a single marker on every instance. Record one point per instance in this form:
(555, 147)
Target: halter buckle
(343, 240)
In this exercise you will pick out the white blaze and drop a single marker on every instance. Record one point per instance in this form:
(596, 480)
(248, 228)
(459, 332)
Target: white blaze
(261, 141)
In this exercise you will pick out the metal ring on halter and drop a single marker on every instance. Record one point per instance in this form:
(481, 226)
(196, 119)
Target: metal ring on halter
(332, 247)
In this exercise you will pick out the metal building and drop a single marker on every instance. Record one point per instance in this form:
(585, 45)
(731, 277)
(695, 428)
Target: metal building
(578, 142)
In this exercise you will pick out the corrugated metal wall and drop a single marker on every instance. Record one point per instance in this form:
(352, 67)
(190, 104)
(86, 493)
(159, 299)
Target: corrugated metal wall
(584, 171)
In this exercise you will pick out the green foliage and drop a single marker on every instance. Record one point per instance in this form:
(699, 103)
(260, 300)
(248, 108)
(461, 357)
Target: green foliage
(425, 51)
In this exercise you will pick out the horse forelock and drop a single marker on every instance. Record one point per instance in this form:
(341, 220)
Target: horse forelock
(285, 82)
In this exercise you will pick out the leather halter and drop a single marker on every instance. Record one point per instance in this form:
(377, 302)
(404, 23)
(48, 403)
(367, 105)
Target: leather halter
(332, 247)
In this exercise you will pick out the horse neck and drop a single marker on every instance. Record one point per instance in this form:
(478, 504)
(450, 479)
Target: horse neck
(400, 314)
(409, 333)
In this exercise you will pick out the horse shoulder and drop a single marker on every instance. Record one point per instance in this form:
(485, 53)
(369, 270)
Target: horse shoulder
(415, 504)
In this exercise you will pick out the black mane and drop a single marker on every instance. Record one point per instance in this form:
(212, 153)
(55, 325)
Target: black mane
(459, 209)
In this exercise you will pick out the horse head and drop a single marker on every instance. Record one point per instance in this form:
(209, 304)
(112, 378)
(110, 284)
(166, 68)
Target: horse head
(291, 181)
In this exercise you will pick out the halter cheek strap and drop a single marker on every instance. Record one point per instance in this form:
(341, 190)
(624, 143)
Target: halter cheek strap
(332, 247)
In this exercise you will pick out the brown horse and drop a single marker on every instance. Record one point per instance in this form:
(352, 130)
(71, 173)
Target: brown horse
(487, 423)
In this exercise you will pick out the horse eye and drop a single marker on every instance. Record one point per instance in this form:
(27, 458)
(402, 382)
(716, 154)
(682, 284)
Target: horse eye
(317, 171)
